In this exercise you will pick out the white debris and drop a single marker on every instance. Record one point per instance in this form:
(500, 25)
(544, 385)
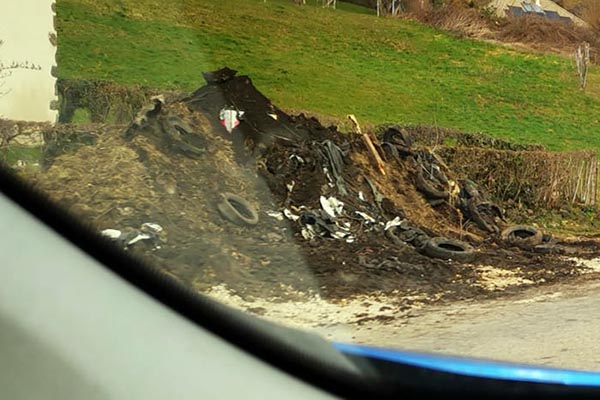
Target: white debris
(273, 115)
(230, 118)
(297, 158)
(291, 216)
(113, 234)
(139, 237)
(361, 196)
(332, 206)
(278, 215)
(152, 226)
(290, 186)
(366, 217)
(308, 232)
(395, 222)
(329, 177)
(340, 235)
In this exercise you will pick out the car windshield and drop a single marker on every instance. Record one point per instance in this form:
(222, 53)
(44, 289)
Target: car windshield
(407, 174)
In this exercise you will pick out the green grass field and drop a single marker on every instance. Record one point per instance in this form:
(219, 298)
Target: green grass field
(334, 63)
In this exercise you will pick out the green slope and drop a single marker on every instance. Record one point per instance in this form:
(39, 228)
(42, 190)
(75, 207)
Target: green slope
(334, 63)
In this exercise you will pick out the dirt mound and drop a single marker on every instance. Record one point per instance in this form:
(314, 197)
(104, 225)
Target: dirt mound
(328, 221)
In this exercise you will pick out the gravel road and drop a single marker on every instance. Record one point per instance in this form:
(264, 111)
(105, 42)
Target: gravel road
(557, 326)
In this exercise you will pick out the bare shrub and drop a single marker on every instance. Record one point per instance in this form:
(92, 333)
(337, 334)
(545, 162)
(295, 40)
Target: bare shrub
(545, 34)
(535, 179)
(458, 20)
(470, 18)
(591, 14)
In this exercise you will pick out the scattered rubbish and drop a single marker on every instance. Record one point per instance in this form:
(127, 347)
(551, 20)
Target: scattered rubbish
(278, 215)
(326, 192)
(230, 118)
(290, 215)
(318, 225)
(454, 191)
(332, 206)
(366, 217)
(297, 158)
(236, 209)
(130, 236)
(323, 223)
(390, 224)
(403, 233)
(112, 233)
(308, 232)
(290, 186)
(335, 157)
(330, 181)
(150, 226)
(135, 236)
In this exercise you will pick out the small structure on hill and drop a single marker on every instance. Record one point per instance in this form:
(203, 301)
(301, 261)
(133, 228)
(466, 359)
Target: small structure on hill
(543, 8)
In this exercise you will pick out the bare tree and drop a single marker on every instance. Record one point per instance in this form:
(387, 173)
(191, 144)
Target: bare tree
(9, 132)
(6, 70)
(389, 7)
(582, 58)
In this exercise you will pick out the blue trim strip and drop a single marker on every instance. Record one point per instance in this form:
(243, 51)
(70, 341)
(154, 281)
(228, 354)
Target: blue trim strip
(476, 367)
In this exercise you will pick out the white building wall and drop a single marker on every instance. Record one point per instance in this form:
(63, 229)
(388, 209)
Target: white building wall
(25, 26)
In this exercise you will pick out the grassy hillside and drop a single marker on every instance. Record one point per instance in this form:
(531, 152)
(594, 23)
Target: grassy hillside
(334, 63)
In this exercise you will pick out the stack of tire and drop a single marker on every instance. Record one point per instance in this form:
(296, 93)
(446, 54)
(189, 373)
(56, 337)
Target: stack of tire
(527, 238)
(435, 247)
(475, 206)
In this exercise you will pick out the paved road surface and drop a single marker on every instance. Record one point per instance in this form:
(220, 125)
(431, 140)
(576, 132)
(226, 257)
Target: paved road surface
(553, 326)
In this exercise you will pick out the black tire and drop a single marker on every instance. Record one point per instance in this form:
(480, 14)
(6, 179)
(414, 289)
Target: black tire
(399, 139)
(483, 223)
(390, 152)
(177, 126)
(469, 189)
(522, 235)
(428, 189)
(398, 136)
(543, 248)
(392, 236)
(436, 202)
(236, 209)
(444, 248)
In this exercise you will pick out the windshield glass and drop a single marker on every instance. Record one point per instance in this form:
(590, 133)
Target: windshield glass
(407, 174)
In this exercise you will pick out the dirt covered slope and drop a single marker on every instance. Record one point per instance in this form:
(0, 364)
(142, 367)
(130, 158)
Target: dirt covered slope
(314, 214)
